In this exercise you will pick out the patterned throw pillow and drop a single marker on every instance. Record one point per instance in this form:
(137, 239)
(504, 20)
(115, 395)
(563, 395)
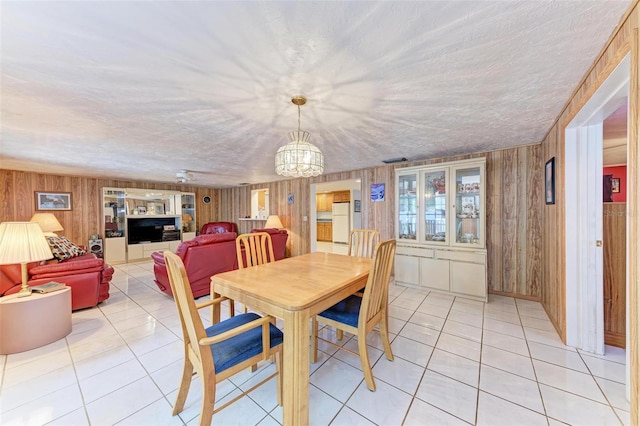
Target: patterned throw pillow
(63, 249)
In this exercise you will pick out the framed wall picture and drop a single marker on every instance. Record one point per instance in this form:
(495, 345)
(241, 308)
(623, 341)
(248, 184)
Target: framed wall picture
(615, 185)
(550, 181)
(377, 192)
(53, 201)
(356, 206)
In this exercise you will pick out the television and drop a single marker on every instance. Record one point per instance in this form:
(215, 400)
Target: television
(148, 229)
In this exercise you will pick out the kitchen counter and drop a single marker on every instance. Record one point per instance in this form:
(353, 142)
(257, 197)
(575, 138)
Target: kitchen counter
(324, 220)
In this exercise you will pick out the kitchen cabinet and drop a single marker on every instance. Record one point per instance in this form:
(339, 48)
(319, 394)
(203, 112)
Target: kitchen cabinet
(440, 228)
(324, 202)
(324, 231)
(341, 196)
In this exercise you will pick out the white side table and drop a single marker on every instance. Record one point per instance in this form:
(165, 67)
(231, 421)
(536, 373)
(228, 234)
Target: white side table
(37, 320)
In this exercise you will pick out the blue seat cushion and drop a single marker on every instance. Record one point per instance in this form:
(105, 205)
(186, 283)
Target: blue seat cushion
(241, 347)
(346, 311)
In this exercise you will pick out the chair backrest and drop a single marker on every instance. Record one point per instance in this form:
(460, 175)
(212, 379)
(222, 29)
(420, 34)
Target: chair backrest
(256, 247)
(192, 327)
(376, 293)
(362, 242)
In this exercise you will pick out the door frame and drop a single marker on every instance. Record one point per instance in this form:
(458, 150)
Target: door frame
(583, 214)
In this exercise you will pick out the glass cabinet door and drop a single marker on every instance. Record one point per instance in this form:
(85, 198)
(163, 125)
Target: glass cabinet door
(435, 206)
(114, 212)
(468, 206)
(407, 206)
(188, 204)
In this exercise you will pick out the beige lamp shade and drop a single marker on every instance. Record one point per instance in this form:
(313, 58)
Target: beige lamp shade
(273, 221)
(48, 223)
(187, 218)
(22, 242)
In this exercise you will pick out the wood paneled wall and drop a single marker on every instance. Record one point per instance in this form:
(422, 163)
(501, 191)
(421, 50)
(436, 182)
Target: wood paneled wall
(553, 296)
(514, 179)
(17, 200)
(623, 41)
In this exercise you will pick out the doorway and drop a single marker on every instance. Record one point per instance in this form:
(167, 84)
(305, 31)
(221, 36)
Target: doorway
(584, 214)
(321, 215)
(615, 140)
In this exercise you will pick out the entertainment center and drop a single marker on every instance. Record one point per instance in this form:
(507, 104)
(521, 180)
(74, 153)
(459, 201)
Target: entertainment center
(138, 222)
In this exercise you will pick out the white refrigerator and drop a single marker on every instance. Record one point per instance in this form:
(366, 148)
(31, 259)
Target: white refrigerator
(340, 222)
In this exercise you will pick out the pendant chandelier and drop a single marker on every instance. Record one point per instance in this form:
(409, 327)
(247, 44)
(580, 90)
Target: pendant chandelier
(299, 158)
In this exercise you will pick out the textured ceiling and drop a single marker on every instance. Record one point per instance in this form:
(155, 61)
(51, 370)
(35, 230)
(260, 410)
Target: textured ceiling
(140, 90)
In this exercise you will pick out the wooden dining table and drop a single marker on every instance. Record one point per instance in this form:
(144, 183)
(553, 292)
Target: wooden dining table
(295, 289)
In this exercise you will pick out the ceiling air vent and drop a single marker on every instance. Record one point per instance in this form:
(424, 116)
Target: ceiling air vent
(395, 160)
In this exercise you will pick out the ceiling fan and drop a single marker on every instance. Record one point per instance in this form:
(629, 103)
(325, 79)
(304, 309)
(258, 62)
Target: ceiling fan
(184, 176)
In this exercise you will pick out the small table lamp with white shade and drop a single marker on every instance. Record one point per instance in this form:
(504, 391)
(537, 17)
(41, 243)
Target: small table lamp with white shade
(22, 242)
(48, 223)
(273, 221)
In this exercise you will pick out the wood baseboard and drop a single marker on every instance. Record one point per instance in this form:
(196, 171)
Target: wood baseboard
(618, 340)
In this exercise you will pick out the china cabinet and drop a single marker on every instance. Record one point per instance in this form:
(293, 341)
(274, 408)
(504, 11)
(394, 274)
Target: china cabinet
(440, 227)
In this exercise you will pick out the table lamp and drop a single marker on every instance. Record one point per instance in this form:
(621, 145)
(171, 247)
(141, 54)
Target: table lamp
(273, 221)
(48, 223)
(22, 242)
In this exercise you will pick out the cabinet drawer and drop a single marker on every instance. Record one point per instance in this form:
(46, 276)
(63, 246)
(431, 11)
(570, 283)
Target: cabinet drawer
(414, 251)
(461, 256)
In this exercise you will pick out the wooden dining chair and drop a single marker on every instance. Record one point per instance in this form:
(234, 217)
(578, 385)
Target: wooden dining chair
(362, 242)
(254, 249)
(221, 350)
(359, 315)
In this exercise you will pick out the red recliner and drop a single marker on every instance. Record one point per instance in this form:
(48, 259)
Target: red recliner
(203, 256)
(278, 240)
(207, 255)
(219, 227)
(88, 277)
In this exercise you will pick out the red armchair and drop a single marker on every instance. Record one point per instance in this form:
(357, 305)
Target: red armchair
(203, 256)
(88, 277)
(219, 227)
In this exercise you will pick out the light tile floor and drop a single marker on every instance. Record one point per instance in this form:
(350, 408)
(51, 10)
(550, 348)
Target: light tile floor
(327, 247)
(456, 362)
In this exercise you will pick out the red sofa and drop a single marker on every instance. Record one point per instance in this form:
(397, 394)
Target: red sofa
(210, 254)
(88, 277)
